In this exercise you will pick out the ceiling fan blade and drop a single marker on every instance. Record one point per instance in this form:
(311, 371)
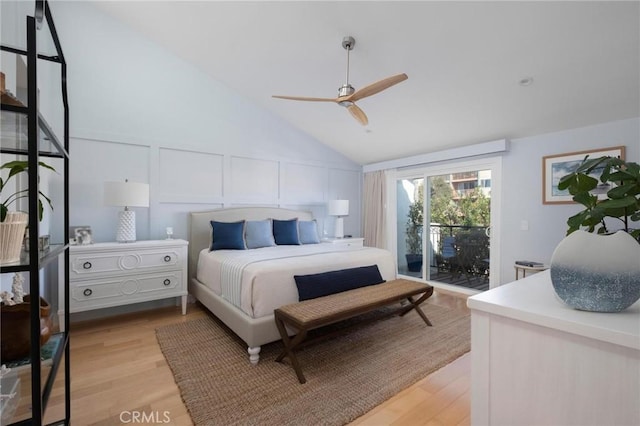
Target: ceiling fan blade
(358, 114)
(301, 98)
(376, 87)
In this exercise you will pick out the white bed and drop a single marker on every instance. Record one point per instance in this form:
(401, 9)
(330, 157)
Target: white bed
(265, 283)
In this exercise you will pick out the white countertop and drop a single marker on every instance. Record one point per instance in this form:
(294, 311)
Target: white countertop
(533, 300)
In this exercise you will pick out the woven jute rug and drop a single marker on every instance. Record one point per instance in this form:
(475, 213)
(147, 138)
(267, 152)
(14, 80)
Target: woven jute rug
(347, 375)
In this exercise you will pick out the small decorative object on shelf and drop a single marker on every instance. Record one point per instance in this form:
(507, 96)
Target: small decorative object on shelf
(43, 243)
(81, 235)
(15, 321)
(169, 233)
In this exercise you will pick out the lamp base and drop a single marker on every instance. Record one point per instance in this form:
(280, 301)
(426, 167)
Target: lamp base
(126, 227)
(339, 227)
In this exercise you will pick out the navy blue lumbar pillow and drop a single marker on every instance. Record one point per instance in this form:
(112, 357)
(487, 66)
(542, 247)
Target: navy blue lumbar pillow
(285, 232)
(227, 235)
(325, 283)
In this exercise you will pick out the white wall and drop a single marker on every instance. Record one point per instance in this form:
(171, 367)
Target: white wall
(139, 113)
(522, 188)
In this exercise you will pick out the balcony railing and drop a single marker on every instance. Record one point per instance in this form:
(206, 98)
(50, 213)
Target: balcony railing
(460, 250)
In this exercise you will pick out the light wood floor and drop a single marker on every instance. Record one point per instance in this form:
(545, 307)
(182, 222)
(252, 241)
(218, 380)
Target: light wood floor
(117, 369)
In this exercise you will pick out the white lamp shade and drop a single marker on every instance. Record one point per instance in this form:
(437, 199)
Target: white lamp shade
(338, 208)
(126, 194)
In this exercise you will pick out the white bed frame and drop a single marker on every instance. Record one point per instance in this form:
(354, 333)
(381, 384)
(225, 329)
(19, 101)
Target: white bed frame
(254, 331)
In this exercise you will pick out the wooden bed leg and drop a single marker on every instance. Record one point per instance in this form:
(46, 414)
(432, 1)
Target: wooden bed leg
(254, 354)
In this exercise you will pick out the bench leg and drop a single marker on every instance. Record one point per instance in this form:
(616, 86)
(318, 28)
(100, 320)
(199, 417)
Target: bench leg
(415, 305)
(289, 346)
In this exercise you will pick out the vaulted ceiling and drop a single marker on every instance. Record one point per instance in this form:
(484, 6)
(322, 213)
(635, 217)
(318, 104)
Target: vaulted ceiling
(465, 62)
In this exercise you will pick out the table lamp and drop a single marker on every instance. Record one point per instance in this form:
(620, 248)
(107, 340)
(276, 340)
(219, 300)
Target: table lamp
(126, 194)
(339, 208)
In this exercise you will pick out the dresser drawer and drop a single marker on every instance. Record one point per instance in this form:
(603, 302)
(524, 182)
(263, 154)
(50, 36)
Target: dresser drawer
(89, 265)
(116, 291)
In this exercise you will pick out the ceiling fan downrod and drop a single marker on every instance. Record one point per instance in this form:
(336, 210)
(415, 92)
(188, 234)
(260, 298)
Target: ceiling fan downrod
(348, 43)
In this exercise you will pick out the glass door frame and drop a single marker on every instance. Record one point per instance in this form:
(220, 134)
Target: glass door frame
(455, 166)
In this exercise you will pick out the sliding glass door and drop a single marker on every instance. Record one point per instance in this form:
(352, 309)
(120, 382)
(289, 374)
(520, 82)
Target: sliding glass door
(444, 224)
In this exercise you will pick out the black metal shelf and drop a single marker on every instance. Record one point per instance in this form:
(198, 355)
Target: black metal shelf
(20, 367)
(19, 145)
(26, 132)
(55, 250)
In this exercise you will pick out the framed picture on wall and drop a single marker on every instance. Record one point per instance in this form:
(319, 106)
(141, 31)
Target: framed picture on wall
(554, 167)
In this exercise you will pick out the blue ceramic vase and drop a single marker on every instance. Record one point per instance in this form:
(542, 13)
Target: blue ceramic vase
(599, 273)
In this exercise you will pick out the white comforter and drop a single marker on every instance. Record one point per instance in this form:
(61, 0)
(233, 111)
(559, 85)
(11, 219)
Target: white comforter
(260, 280)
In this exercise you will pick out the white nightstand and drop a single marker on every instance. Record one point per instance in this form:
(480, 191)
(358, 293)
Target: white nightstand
(104, 275)
(351, 242)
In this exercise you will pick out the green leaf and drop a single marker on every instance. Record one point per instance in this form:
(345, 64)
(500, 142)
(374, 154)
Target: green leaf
(621, 176)
(3, 212)
(621, 191)
(40, 209)
(588, 165)
(566, 181)
(583, 183)
(19, 168)
(46, 166)
(575, 221)
(633, 169)
(12, 164)
(621, 202)
(585, 199)
(617, 212)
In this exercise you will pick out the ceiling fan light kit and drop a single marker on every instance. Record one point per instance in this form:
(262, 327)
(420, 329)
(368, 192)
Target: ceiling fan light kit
(347, 95)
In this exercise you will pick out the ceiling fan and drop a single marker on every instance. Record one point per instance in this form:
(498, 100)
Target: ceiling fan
(347, 95)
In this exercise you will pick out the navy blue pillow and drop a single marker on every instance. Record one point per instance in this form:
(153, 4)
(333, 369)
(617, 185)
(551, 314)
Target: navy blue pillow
(285, 232)
(227, 235)
(325, 283)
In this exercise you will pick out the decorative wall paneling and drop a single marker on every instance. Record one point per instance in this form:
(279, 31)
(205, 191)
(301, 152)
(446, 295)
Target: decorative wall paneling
(192, 178)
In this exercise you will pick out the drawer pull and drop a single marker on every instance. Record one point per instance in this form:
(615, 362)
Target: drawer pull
(87, 265)
(87, 292)
(167, 258)
(167, 281)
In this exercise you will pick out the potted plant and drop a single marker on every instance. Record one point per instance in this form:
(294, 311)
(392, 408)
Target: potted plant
(414, 236)
(594, 269)
(13, 224)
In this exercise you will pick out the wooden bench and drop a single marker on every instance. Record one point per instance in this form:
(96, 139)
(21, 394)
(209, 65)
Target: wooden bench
(309, 314)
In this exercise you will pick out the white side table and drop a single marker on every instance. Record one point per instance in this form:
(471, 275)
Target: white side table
(104, 275)
(525, 269)
(351, 242)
